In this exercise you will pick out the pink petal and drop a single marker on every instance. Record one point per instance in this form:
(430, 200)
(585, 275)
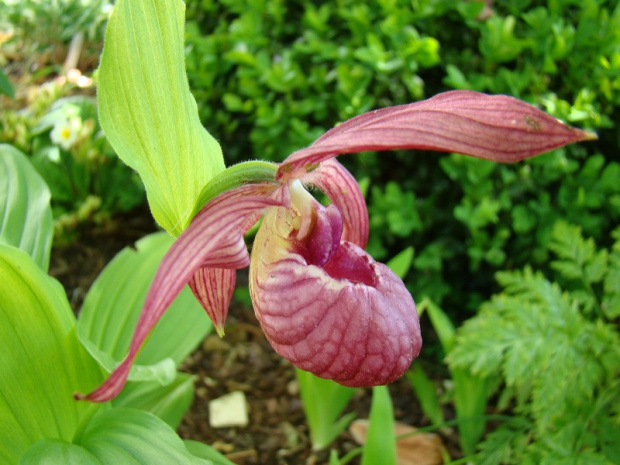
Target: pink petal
(351, 320)
(217, 230)
(214, 287)
(344, 192)
(495, 127)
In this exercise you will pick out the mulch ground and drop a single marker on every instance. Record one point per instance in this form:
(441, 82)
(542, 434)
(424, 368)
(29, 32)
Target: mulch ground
(242, 361)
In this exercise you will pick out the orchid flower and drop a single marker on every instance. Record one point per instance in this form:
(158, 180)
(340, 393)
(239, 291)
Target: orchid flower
(321, 300)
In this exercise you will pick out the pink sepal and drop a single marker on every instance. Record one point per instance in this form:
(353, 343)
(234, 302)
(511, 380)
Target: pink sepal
(494, 127)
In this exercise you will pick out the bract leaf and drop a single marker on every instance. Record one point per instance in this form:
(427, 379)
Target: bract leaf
(113, 304)
(41, 361)
(494, 127)
(25, 212)
(147, 111)
(126, 436)
(216, 231)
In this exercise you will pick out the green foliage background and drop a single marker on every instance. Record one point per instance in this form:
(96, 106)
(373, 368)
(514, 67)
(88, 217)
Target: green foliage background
(270, 76)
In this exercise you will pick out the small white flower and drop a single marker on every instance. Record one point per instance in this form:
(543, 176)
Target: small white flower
(65, 132)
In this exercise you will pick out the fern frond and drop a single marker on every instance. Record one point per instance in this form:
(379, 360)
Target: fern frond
(505, 444)
(568, 244)
(546, 350)
(579, 262)
(611, 287)
(560, 365)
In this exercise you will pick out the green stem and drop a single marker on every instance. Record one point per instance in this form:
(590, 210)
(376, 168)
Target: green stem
(249, 172)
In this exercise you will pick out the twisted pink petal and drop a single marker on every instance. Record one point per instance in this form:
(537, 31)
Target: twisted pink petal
(217, 231)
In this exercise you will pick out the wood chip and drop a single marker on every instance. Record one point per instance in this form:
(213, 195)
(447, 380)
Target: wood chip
(229, 410)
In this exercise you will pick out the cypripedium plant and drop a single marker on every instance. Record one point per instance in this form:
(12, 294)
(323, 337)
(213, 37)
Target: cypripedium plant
(321, 300)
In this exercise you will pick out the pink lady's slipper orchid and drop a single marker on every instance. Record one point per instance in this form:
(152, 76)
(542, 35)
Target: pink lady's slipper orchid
(324, 303)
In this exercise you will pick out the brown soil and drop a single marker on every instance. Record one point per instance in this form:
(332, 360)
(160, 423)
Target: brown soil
(242, 361)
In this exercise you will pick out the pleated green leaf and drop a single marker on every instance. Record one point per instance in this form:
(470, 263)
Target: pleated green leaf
(117, 436)
(128, 436)
(147, 111)
(113, 304)
(168, 402)
(204, 451)
(55, 451)
(41, 362)
(25, 212)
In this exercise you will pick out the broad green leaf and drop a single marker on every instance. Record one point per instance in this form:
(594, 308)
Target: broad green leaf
(380, 445)
(324, 401)
(41, 361)
(55, 451)
(147, 111)
(206, 452)
(113, 304)
(168, 402)
(25, 213)
(127, 436)
(117, 436)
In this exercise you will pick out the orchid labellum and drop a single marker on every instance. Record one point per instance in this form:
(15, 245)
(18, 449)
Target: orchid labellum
(324, 303)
